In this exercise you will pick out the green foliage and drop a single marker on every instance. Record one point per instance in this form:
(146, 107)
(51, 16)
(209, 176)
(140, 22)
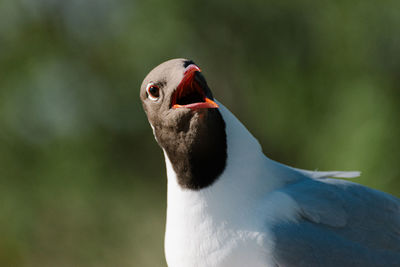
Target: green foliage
(82, 181)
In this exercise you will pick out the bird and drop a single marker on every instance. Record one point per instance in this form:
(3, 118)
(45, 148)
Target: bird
(228, 204)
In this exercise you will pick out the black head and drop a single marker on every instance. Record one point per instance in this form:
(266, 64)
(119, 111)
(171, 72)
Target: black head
(186, 121)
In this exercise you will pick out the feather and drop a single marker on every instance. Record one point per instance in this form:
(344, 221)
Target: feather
(341, 224)
(327, 174)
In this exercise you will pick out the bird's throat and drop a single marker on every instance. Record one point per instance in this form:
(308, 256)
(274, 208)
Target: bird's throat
(197, 148)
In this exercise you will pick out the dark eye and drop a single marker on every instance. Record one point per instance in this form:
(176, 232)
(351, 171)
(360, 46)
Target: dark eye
(153, 91)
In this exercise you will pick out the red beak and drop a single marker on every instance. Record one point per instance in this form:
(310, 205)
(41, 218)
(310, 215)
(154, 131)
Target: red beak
(188, 87)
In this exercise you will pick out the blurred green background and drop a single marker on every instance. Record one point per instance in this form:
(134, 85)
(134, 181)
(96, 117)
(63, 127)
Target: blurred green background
(82, 181)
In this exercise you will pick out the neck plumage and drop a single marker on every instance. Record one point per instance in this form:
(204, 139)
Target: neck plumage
(246, 167)
(246, 180)
(197, 149)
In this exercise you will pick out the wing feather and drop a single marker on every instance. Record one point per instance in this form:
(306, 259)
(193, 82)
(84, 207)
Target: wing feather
(341, 224)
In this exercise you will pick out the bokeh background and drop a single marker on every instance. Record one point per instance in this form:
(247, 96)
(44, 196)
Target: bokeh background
(82, 181)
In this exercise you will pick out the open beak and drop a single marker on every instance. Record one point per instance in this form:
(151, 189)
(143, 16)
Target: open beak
(189, 93)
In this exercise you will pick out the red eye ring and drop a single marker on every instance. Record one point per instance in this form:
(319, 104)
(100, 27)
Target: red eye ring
(153, 91)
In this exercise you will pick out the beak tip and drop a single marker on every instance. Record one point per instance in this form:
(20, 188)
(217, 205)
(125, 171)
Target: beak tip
(212, 103)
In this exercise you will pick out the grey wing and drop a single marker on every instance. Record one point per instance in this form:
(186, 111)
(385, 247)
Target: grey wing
(340, 224)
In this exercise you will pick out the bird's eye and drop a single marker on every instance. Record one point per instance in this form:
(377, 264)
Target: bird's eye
(153, 91)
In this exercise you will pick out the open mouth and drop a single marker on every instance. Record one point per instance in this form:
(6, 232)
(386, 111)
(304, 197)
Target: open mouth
(189, 93)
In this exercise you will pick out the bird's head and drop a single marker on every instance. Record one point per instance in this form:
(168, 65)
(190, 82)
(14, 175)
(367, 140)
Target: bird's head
(185, 119)
(174, 92)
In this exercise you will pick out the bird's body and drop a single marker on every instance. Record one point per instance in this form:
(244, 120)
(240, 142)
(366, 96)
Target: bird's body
(253, 211)
(262, 213)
